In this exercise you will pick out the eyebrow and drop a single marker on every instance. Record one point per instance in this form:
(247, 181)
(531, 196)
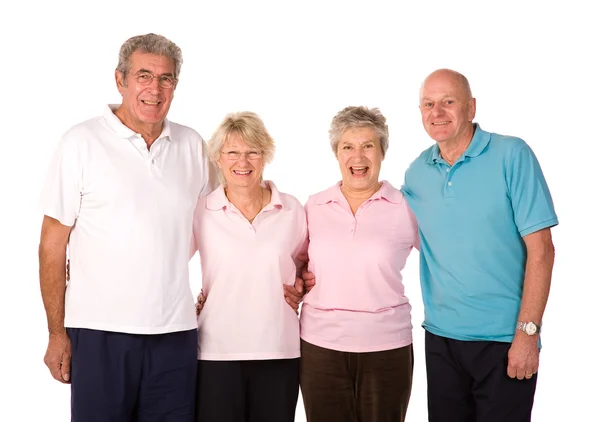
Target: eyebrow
(148, 71)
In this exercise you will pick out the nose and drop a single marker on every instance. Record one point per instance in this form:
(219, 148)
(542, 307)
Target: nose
(153, 86)
(437, 109)
(358, 152)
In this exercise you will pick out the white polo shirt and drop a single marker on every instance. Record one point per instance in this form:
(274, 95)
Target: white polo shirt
(244, 267)
(131, 212)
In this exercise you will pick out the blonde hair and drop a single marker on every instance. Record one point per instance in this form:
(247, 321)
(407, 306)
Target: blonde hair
(250, 127)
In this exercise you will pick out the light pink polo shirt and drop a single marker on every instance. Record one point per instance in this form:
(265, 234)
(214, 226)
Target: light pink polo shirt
(244, 267)
(358, 303)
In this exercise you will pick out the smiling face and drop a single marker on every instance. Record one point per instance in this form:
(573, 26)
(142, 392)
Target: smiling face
(245, 171)
(145, 105)
(447, 108)
(359, 156)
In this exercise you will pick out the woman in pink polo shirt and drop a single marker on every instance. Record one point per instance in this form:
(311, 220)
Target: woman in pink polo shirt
(355, 325)
(248, 235)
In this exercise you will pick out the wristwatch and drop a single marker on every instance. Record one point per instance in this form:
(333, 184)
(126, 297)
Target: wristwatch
(529, 328)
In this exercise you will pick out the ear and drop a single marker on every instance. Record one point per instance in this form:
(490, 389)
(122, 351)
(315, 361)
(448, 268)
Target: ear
(472, 109)
(120, 81)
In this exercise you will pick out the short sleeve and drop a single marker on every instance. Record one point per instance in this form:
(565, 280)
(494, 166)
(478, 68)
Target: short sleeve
(302, 246)
(533, 209)
(194, 245)
(61, 194)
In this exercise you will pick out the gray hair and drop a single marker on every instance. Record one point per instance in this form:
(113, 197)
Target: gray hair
(250, 127)
(356, 117)
(149, 44)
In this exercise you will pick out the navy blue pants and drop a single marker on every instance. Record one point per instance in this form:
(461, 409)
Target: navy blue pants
(118, 377)
(467, 382)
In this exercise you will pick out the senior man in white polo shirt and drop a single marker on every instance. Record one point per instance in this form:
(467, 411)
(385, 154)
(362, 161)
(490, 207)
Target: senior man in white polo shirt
(120, 194)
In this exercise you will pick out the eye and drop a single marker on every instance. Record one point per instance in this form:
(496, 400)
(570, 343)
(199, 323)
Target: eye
(144, 76)
(347, 147)
(232, 153)
(166, 79)
(427, 104)
(368, 145)
(253, 155)
(449, 102)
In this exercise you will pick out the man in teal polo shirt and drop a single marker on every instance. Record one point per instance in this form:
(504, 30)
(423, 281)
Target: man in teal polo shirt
(484, 213)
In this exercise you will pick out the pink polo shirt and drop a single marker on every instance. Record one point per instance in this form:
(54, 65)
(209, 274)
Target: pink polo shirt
(244, 267)
(358, 303)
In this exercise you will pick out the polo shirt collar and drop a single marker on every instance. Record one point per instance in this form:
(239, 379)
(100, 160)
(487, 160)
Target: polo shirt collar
(479, 142)
(334, 194)
(217, 200)
(123, 131)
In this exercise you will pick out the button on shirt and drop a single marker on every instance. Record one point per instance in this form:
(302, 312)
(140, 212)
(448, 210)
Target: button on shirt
(244, 266)
(358, 303)
(131, 211)
(472, 217)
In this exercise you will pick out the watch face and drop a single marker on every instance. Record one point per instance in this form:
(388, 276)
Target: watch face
(530, 328)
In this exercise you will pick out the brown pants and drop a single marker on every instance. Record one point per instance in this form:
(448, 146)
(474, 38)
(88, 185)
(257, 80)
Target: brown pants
(355, 387)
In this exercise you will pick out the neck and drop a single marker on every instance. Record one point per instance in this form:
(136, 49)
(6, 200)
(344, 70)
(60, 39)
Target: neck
(149, 131)
(245, 197)
(357, 197)
(452, 149)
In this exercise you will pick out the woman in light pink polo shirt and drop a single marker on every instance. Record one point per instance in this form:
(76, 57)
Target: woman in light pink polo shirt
(248, 235)
(355, 325)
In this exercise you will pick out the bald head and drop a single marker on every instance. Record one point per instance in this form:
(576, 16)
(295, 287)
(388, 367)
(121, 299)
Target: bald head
(448, 77)
(447, 108)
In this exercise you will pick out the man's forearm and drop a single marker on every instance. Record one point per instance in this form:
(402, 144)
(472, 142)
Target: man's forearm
(53, 285)
(538, 275)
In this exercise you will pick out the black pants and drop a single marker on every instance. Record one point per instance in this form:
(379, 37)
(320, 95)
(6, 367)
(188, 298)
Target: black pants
(118, 377)
(247, 391)
(467, 382)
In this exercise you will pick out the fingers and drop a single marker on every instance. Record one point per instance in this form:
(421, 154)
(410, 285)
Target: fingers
(65, 368)
(520, 373)
(292, 297)
(307, 275)
(291, 294)
(309, 280)
(299, 285)
(55, 367)
(292, 304)
(200, 303)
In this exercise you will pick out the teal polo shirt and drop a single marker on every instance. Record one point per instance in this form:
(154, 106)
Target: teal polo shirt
(472, 217)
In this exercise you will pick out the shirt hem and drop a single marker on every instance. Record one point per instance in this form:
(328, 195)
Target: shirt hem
(537, 227)
(351, 349)
(248, 356)
(128, 329)
(469, 337)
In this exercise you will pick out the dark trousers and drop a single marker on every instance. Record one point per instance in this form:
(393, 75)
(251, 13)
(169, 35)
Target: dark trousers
(117, 377)
(355, 387)
(467, 382)
(247, 391)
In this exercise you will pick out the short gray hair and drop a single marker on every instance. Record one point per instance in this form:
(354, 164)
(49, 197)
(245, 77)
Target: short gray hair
(250, 127)
(149, 44)
(356, 117)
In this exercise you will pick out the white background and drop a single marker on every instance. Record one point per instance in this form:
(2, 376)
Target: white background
(532, 66)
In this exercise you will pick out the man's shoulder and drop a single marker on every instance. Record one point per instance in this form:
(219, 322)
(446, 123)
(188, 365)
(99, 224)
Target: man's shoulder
(180, 131)
(83, 131)
(421, 160)
(506, 143)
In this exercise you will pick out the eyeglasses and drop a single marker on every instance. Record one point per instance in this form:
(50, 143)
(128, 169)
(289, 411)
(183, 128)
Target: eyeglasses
(164, 81)
(235, 155)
